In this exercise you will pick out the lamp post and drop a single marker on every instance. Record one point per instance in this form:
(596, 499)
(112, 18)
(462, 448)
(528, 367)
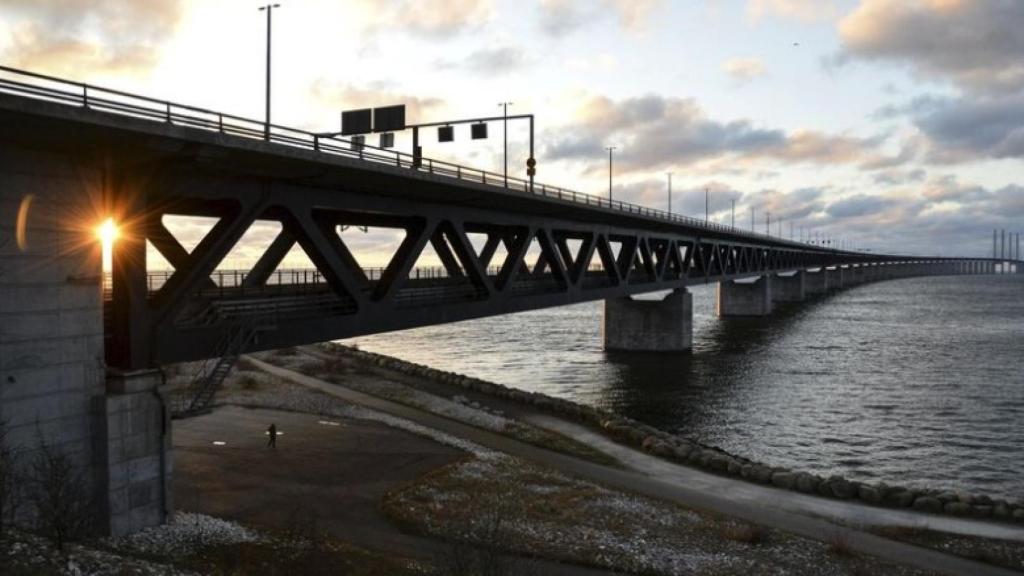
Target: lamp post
(504, 132)
(734, 213)
(610, 149)
(706, 205)
(669, 174)
(269, 9)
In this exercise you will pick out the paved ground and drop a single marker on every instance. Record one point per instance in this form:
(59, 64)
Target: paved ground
(701, 497)
(339, 473)
(335, 469)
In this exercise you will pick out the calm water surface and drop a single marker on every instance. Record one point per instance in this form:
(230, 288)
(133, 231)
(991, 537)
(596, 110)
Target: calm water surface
(917, 381)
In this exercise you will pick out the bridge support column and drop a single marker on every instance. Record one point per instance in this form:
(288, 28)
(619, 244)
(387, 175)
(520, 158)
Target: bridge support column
(135, 453)
(834, 277)
(816, 283)
(791, 288)
(649, 325)
(745, 298)
(856, 275)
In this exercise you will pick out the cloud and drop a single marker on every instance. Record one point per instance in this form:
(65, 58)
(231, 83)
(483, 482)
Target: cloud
(967, 128)
(429, 18)
(859, 205)
(976, 45)
(655, 132)
(744, 69)
(347, 96)
(490, 61)
(561, 17)
(71, 38)
(802, 10)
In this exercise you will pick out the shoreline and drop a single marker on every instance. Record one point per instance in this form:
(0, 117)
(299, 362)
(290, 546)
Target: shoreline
(707, 458)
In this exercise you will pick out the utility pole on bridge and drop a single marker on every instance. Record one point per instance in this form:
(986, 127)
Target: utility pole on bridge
(610, 149)
(266, 126)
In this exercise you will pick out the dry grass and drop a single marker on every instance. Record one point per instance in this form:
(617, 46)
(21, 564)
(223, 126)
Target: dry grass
(1004, 553)
(560, 518)
(743, 533)
(838, 546)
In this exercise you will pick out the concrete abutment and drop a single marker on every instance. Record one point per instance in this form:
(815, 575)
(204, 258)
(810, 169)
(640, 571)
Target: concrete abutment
(665, 325)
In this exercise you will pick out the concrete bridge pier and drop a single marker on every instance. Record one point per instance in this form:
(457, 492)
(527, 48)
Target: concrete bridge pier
(834, 278)
(791, 288)
(649, 325)
(135, 455)
(860, 275)
(745, 298)
(54, 387)
(816, 283)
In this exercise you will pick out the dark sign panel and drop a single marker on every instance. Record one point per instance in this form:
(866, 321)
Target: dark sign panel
(389, 119)
(356, 122)
(445, 134)
(357, 142)
(478, 131)
(387, 140)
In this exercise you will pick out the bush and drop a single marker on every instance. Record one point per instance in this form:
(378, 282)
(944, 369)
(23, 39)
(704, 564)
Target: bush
(59, 491)
(10, 493)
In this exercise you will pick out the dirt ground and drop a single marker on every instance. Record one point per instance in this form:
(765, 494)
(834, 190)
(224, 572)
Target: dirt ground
(331, 470)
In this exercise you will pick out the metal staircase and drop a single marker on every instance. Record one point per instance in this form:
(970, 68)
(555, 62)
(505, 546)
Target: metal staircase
(210, 374)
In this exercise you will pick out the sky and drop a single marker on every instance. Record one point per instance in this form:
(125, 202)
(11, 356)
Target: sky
(896, 125)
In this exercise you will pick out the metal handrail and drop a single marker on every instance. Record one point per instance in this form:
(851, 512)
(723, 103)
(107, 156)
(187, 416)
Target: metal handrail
(127, 104)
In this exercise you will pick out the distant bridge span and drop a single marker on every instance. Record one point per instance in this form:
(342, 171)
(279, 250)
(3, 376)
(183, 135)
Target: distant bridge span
(160, 158)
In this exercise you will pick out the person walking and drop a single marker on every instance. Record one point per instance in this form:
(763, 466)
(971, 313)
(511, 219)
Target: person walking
(272, 433)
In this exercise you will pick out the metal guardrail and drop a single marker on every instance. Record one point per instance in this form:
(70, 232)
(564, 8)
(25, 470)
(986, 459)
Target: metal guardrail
(61, 91)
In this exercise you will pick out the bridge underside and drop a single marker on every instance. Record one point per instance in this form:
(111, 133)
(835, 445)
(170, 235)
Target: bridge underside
(494, 261)
(548, 257)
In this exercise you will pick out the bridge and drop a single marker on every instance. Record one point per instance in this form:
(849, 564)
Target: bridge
(72, 154)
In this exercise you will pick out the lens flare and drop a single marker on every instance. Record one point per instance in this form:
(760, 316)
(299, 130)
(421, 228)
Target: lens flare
(107, 233)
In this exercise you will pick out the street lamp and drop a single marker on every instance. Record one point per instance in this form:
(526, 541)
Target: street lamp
(270, 9)
(610, 149)
(669, 174)
(706, 205)
(504, 130)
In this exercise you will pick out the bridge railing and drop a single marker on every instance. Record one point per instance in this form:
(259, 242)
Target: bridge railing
(290, 280)
(61, 91)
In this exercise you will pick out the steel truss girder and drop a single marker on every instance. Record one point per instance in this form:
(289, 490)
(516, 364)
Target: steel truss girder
(310, 216)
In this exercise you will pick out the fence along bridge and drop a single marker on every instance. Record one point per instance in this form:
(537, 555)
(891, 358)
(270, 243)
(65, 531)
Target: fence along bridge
(159, 158)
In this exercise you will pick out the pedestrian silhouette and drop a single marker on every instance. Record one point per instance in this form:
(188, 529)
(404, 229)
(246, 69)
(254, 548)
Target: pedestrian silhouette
(272, 433)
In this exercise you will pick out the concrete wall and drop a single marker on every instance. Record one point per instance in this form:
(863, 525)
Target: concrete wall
(649, 325)
(745, 298)
(52, 377)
